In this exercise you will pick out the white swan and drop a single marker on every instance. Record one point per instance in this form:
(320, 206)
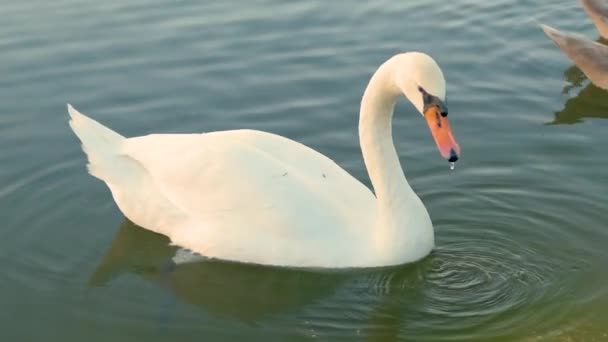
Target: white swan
(255, 197)
(589, 56)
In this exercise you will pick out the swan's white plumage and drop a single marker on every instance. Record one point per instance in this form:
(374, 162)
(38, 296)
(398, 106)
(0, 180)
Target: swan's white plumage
(232, 183)
(221, 187)
(256, 197)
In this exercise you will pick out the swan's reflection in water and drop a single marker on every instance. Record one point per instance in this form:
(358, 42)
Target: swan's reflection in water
(355, 303)
(247, 292)
(468, 282)
(590, 103)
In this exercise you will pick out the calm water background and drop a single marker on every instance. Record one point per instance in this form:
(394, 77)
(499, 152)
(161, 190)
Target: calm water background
(520, 224)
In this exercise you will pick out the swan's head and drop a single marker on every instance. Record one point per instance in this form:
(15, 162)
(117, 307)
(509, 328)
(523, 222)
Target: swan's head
(422, 82)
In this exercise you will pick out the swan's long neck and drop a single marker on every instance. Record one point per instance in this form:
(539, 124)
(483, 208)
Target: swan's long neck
(375, 135)
(394, 194)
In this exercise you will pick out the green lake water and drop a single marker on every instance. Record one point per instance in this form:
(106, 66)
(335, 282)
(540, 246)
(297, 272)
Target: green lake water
(521, 224)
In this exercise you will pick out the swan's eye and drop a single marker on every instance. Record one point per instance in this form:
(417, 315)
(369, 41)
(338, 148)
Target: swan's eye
(421, 90)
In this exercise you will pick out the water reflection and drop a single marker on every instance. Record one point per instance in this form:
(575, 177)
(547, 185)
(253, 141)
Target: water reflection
(468, 281)
(355, 303)
(590, 102)
(246, 292)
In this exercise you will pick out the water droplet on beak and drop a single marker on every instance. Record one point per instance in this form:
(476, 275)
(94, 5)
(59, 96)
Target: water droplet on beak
(452, 165)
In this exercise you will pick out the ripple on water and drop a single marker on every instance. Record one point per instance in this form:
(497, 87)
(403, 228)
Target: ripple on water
(511, 258)
(500, 269)
(484, 277)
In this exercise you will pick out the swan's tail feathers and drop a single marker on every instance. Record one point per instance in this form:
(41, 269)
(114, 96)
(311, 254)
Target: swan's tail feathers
(101, 144)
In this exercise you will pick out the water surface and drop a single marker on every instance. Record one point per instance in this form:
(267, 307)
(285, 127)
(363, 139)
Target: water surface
(520, 224)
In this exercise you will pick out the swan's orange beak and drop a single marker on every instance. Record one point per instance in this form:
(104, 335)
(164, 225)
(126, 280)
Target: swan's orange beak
(442, 133)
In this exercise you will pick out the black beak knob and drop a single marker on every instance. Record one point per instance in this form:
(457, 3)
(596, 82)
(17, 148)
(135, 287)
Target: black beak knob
(453, 156)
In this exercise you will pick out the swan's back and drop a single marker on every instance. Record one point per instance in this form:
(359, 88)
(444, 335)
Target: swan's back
(246, 187)
(240, 195)
(201, 172)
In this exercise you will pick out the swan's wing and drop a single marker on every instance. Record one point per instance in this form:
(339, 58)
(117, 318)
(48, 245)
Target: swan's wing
(598, 12)
(589, 56)
(244, 185)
